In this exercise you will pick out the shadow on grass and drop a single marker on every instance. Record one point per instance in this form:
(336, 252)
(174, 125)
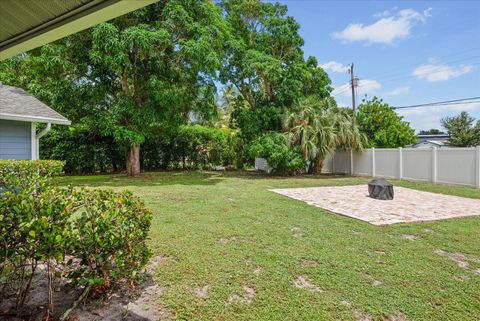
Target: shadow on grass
(146, 179)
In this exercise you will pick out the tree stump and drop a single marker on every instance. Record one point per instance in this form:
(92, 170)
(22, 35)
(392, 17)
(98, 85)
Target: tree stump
(380, 189)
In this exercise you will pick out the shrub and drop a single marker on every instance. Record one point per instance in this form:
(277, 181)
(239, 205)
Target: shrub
(102, 231)
(110, 236)
(282, 157)
(14, 174)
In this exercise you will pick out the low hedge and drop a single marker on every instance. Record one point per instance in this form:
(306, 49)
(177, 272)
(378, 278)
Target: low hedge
(99, 236)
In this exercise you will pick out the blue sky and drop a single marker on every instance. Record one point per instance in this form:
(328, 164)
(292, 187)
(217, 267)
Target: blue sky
(406, 52)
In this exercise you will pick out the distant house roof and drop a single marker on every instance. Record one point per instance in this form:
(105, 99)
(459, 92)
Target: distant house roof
(433, 137)
(432, 143)
(17, 104)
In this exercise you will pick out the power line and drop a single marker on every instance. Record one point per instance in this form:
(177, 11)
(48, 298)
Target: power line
(471, 100)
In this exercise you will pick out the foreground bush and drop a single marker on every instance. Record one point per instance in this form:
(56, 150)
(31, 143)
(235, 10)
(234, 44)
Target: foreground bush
(99, 235)
(282, 157)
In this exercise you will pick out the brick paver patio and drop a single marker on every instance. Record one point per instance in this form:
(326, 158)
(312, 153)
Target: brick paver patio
(409, 205)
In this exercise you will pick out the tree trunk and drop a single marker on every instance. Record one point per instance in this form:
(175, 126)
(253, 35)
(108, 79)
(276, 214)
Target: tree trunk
(318, 166)
(133, 160)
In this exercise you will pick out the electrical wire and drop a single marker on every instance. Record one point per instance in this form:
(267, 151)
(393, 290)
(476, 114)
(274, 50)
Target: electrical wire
(471, 100)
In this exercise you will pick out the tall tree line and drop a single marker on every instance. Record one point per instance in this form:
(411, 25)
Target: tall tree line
(125, 82)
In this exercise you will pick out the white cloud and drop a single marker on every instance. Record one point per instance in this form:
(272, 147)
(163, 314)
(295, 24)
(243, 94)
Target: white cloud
(398, 91)
(429, 117)
(438, 72)
(335, 66)
(365, 86)
(385, 30)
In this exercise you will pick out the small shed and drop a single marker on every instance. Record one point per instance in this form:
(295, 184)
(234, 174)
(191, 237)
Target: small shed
(20, 113)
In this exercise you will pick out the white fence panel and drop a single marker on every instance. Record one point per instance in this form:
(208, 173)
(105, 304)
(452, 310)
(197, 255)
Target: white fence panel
(447, 165)
(387, 162)
(342, 161)
(456, 166)
(328, 164)
(417, 164)
(362, 163)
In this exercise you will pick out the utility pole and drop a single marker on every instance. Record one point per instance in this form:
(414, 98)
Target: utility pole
(353, 84)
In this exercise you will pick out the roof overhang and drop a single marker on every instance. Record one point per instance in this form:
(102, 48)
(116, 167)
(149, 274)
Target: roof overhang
(64, 23)
(32, 119)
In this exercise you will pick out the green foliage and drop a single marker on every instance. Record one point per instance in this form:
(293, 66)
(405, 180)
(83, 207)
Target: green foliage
(462, 130)
(16, 174)
(103, 231)
(383, 126)
(123, 79)
(109, 232)
(191, 146)
(264, 62)
(82, 150)
(432, 131)
(280, 155)
(318, 127)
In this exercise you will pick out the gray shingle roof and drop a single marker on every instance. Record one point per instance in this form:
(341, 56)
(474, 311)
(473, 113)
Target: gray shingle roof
(17, 104)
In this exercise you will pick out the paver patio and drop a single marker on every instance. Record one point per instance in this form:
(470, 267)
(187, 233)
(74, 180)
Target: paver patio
(408, 205)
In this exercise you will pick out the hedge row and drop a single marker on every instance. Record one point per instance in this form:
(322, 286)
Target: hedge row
(187, 146)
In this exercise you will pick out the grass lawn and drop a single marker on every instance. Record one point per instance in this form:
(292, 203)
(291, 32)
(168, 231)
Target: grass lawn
(227, 231)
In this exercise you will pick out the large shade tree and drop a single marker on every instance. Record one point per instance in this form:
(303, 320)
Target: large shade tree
(138, 72)
(318, 127)
(265, 65)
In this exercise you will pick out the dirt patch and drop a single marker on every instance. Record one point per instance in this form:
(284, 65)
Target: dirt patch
(257, 270)
(461, 259)
(428, 230)
(202, 292)
(297, 232)
(396, 317)
(377, 252)
(140, 304)
(302, 282)
(363, 316)
(376, 282)
(154, 263)
(410, 237)
(233, 239)
(246, 297)
(309, 262)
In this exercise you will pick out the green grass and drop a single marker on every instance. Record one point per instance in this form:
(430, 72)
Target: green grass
(194, 210)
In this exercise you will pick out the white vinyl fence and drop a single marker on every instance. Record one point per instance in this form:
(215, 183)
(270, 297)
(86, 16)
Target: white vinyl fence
(446, 165)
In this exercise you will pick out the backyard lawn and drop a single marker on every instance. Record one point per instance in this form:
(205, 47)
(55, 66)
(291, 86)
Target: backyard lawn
(229, 249)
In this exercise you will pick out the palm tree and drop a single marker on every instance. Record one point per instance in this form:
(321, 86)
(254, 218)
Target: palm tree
(318, 127)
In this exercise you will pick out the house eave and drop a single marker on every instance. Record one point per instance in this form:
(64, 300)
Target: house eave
(68, 24)
(35, 119)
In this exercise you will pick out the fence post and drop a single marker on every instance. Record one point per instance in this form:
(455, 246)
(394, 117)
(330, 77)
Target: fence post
(351, 162)
(434, 164)
(400, 163)
(373, 161)
(477, 184)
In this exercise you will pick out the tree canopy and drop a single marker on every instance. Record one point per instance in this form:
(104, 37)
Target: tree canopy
(133, 76)
(463, 130)
(383, 126)
(265, 64)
